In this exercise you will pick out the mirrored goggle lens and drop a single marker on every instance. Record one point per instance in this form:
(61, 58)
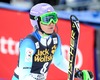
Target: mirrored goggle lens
(48, 18)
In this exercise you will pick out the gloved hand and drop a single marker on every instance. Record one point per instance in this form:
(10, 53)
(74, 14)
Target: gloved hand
(84, 74)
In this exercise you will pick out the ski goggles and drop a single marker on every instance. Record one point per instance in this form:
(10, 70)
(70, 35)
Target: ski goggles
(47, 18)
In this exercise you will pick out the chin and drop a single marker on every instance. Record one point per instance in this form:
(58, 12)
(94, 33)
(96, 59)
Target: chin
(49, 32)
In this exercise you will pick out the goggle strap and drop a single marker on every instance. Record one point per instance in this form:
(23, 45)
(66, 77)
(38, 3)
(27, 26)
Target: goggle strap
(34, 17)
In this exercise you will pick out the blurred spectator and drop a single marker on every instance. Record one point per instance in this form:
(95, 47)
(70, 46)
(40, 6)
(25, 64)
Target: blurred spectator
(62, 2)
(79, 4)
(5, 1)
(22, 3)
(52, 2)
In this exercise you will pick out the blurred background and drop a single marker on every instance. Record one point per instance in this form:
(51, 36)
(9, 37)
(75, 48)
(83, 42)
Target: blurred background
(15, 24)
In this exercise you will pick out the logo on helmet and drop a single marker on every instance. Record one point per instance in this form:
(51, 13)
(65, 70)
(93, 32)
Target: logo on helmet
(48, 10)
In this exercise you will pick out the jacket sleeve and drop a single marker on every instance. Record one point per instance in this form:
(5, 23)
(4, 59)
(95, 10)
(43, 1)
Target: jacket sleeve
(59, 60)
(27, 50)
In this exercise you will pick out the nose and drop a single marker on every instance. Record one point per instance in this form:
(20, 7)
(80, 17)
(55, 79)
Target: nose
(51, 23)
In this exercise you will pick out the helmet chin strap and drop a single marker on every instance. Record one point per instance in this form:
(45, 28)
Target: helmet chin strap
(44, 32)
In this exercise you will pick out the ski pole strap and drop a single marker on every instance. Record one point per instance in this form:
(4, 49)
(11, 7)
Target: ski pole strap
(73, 18)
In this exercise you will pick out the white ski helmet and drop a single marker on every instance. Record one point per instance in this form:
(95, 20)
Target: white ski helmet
(37, 11)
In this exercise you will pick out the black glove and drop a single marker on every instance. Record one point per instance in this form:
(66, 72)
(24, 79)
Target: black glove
(84, 74)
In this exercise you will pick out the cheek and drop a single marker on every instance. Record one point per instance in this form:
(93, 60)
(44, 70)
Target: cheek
(43, 27)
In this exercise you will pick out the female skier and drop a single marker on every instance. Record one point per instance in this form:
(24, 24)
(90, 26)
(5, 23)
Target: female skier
(41, 47)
